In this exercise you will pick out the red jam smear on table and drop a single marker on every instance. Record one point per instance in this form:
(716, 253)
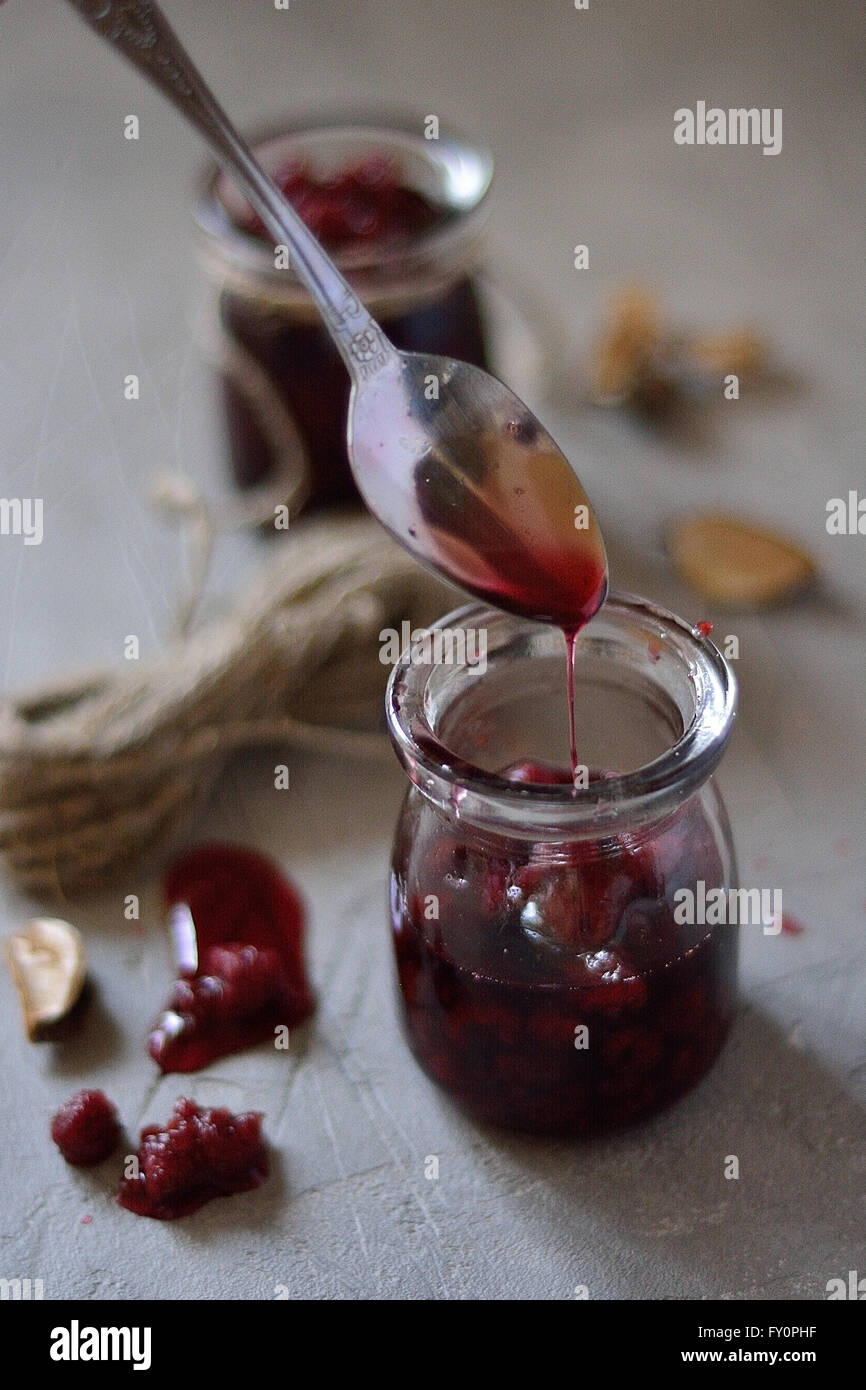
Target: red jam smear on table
(198, 1155)
(86, 1129)
(529, 946)
(251, 977)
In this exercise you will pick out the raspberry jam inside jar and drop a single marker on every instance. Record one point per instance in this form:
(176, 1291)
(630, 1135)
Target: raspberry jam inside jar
(546, 982)
(402, 217)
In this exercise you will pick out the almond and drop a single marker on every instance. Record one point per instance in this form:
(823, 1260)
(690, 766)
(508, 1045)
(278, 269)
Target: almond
(736, 564)
(737, 351)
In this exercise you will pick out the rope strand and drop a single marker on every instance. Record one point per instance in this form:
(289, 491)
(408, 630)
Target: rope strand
(103, 768)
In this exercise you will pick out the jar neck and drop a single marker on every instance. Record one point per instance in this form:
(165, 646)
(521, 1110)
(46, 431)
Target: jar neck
(449, 721)
(453, 175)
(388, 292)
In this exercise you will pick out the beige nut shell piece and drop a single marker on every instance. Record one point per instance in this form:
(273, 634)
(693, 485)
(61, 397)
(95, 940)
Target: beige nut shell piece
(736, 564)
(48, 965)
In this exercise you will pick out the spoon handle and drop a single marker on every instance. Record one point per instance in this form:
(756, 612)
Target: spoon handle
(139, 30)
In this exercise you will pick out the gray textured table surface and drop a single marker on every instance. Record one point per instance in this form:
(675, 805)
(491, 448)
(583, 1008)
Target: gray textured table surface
(94, 269)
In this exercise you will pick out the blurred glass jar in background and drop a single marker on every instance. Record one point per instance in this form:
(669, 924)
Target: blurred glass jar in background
(403, 216)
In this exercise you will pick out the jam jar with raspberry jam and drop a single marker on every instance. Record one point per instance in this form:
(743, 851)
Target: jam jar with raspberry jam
(402, 216)
(552, 975)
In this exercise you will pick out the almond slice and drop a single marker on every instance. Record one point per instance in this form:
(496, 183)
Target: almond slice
(736, 564)
(739, 351)
(630, 332)
(47, 962)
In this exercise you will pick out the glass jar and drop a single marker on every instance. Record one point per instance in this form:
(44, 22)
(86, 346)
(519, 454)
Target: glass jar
(283, 385)
(546, 981)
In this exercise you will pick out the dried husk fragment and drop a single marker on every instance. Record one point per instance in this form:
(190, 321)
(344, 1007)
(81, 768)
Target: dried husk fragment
(48, 966)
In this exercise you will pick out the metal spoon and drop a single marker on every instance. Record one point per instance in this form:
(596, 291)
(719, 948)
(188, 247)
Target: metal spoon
(451, 462)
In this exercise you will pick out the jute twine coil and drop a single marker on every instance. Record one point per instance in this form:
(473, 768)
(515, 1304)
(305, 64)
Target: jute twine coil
(100, 770)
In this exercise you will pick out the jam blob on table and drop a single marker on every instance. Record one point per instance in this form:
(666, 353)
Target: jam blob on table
(548, 988)
(366, 202)
(199, 1154)
(86, 1129)
(249, 977)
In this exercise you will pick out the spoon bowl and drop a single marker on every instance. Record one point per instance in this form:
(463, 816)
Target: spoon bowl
(464, 476)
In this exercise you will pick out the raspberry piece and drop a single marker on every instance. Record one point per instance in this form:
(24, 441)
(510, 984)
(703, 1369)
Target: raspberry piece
(648, 932)
(634, 1051)
(619, 984)
(365, 202)
(377, 171)
(86, 1129)
(494, 882)
(577, 907)
(250, 977)
(198, 1155)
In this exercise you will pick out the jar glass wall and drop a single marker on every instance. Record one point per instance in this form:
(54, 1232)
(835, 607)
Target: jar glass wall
(546, 981)
(283, 386)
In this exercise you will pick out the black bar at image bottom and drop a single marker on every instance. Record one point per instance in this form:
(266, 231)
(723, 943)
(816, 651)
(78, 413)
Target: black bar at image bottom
(153, 1337)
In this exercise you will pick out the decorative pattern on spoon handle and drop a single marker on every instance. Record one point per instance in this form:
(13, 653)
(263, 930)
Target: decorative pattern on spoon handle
(137, 27)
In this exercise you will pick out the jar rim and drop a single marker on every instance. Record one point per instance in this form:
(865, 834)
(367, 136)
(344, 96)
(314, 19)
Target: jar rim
(466, 165)
(638, 796)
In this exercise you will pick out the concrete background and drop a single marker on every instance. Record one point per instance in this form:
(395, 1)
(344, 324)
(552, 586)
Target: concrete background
(95, 257)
